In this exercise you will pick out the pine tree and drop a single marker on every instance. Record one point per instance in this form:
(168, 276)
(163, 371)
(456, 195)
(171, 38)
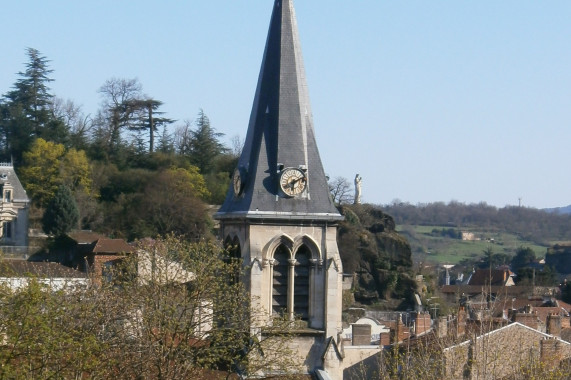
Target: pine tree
(26, 112)
(204, 146)
(61, 215)
(145, 115)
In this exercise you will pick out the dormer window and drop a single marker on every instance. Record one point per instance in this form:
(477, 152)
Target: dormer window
(7, 192)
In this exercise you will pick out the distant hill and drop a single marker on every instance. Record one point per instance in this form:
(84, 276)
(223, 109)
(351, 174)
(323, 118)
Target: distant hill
(529, 224)
(455, 232)
(559, 210)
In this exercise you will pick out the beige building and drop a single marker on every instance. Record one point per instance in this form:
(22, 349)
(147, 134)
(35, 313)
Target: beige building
(14, 207)
(504, 352)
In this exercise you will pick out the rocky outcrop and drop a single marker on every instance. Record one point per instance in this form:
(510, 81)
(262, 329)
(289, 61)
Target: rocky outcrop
(379, 256)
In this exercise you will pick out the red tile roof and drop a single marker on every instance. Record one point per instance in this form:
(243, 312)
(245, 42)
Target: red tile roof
(482, 277)
(564, 305)
(112, 246)
(477, 289)
(543, 312)
(85, 237)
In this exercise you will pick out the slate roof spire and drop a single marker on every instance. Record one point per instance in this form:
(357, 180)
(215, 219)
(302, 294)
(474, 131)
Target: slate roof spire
(280, 134)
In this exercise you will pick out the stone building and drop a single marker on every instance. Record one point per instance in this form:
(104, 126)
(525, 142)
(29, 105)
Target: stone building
(504, 352)
(278, 215)
(14, 208)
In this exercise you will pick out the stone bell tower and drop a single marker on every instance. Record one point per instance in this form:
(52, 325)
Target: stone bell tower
(278, 211)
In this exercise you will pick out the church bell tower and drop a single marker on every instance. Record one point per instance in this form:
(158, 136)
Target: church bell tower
(278, 210)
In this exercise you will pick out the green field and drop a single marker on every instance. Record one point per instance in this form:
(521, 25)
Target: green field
(446, 250)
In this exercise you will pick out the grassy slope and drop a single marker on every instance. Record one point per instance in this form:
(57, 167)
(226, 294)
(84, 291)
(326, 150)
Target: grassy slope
(428, 248)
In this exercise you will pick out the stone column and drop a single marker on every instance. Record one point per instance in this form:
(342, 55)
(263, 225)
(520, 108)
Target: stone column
(314, 266)
(269, 263)
(290, 285)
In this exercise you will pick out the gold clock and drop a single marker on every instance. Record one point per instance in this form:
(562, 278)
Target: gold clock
(293, 181)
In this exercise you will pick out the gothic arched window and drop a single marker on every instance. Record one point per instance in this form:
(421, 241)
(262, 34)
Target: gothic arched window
(280, 280)
(234, 257)
(301, 283)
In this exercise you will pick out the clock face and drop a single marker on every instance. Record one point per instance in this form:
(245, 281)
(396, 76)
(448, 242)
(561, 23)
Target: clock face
(237, 182)
(293, 181)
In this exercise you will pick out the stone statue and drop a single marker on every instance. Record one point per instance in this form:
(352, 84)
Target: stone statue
(358, 180)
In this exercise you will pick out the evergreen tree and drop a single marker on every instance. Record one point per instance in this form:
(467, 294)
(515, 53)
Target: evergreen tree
(145, 114)
(523, 258)
(204, 145)
(165, 144)
(32, 91)
(26, 113)
(61, 215)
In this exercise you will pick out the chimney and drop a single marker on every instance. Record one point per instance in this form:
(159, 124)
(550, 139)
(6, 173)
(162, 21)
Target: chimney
(551, 352)
(527, 319)
(442, 327)
(385, 339)
(422, 323)
(554, 324)
(461, 321)
(400, 332)
(361, 335)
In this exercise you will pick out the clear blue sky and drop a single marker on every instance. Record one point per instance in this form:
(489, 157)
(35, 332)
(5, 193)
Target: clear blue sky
(427, 100)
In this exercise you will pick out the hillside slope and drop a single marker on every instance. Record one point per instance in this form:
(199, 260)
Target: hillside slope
(376, 253)
(435, 230)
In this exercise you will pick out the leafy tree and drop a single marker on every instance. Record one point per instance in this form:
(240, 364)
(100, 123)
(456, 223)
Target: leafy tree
(217, 186)
(172, 204)
(61, 215)
(217, 181)
(76, 122)
(47, 166)
(75, 172)
(40, 173)
(116, 113)
(530, 276)
(168, 312)
(46, 334)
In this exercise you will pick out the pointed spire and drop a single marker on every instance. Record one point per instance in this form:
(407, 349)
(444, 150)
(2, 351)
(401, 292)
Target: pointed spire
(280, 135)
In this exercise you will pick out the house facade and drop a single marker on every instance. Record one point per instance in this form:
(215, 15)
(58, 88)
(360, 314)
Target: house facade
(507, 351)
(14, 207)
(17, 274)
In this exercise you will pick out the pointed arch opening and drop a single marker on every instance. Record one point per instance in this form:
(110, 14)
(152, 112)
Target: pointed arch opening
(301, 282)
(280, 281)
(234, 257)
